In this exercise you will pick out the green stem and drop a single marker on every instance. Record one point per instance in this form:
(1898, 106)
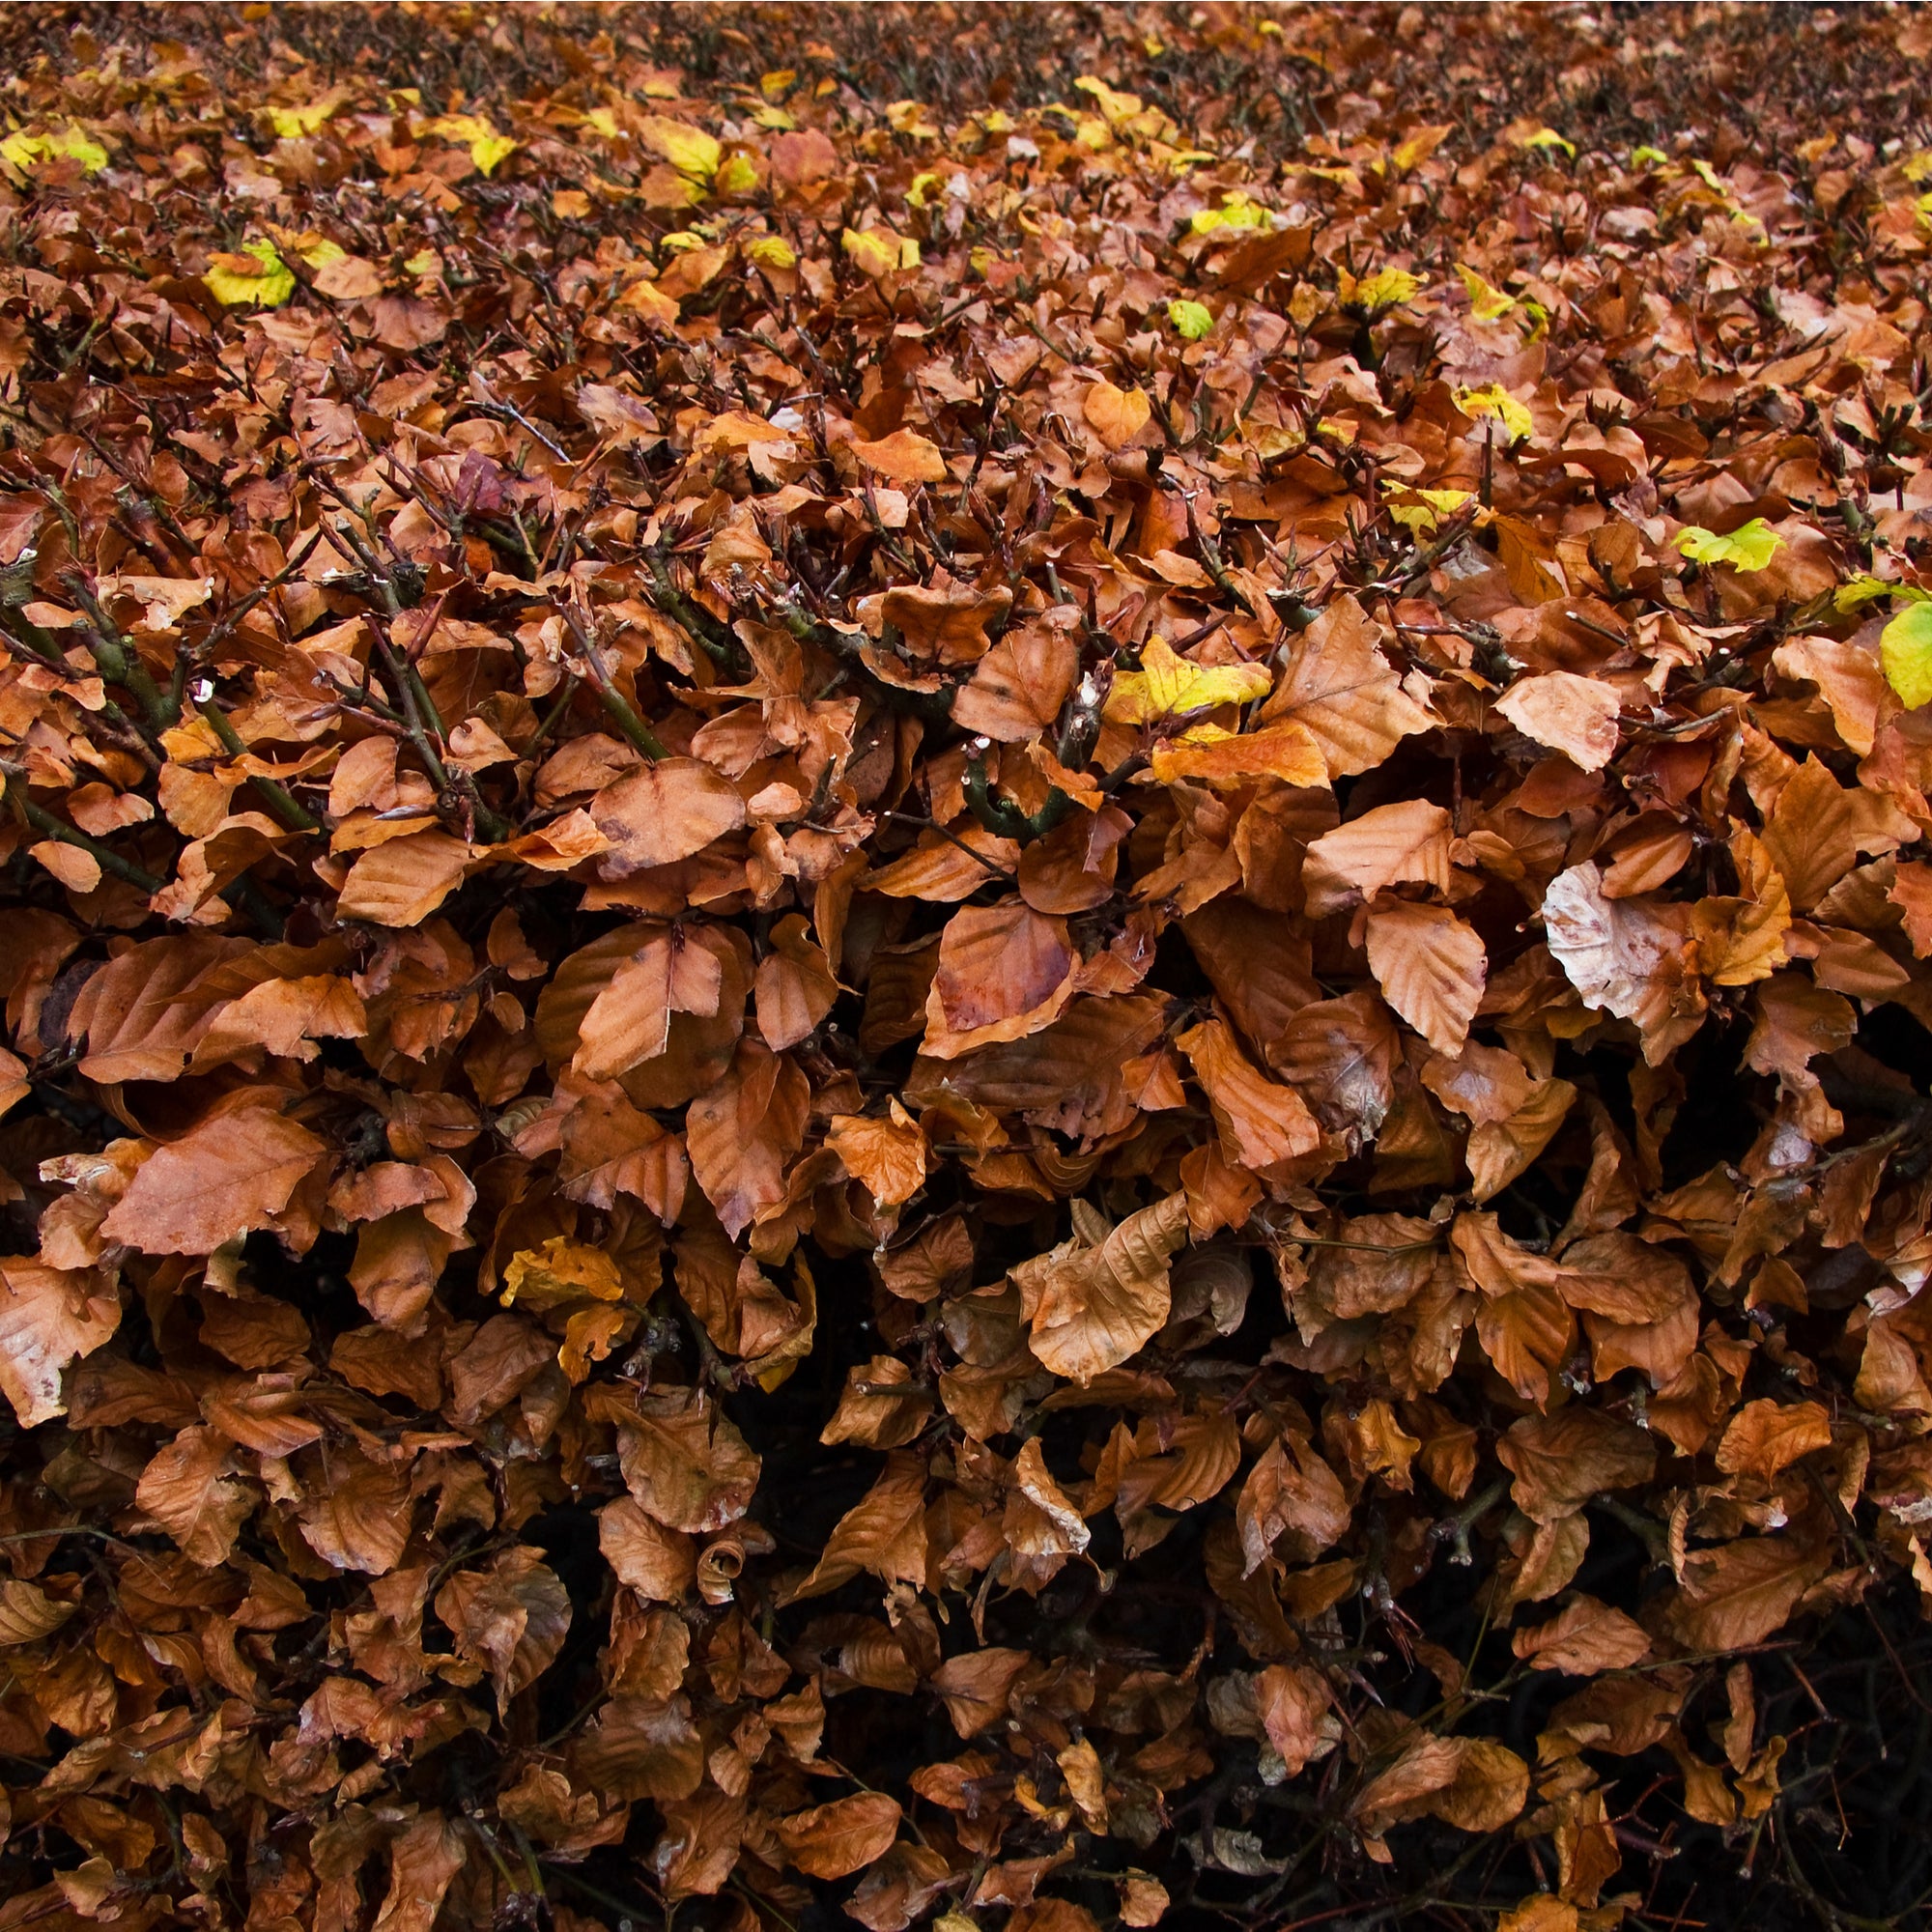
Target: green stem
(279, 799)
(622, 712)
(120, 662)
(714, 638)
(1008, 821)
(104, 856)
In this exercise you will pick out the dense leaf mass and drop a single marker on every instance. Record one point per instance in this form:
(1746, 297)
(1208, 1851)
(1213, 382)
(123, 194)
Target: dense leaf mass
(965, 966)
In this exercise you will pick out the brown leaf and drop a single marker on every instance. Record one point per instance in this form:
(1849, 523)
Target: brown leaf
(1427, 1765)
(902, 457)
(510, 1617)
(1765, 1436)
(232, 1174)
(1091, 1305)
(1290, 1488)
(1390, 845)
(192, 1488)
(358, 1516)
(1431, 968)
(1560, 1461)
(1019, 687)
(974, 1687)
(1584, 1638)
(794, 987)
(1004, 971)
(683, 1461)
(1262, 1123)
(48, 1319)
(402, 882)
(1631, 957)
(142, 1013)
(1340, 687)
(630, 1019)
(836, 1839)
(1293, 1701)
(872, 1411)
(422, 1865)
(1740, 1593)
(884, 1533)
(889, 1155)
(27, 1613)
(642, 1554)
(662, 813)
(946, 622)
(1577, 716)
(285, 1017)
(741, 1132)
(1117, 417)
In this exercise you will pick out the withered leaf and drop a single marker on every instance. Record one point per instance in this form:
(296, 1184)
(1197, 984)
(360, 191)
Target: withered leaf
(1091, 1305)
(48, 1318)
(884, 1533)
(850, 845)
(1585, 1638)
(684, 1461)
(836, 1839)
(232, 1173)
(511, 1617)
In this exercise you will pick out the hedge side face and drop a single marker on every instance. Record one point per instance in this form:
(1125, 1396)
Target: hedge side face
(964, 966)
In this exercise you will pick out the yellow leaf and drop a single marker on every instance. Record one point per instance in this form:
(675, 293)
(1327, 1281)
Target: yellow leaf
(1170, 686)
(487, 148)
(258, 276)
(771, 251)
(1237, 213)
(1421, 511)
(561, 1271)
(1284, 750)
(1117, 107)
(691, 151)
(22, 151)
(738, 176)
(1384, 290)
(777, 84)
(1191, 319)
(1905, 650)
(1861, 590)
(1493, 400)
(909, 117)
(1748, 548)
(774, 119)
(878, 251)
(1487, 302)
(1418, 147)
(601, 121)
(291, 123)
(1548, 137)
